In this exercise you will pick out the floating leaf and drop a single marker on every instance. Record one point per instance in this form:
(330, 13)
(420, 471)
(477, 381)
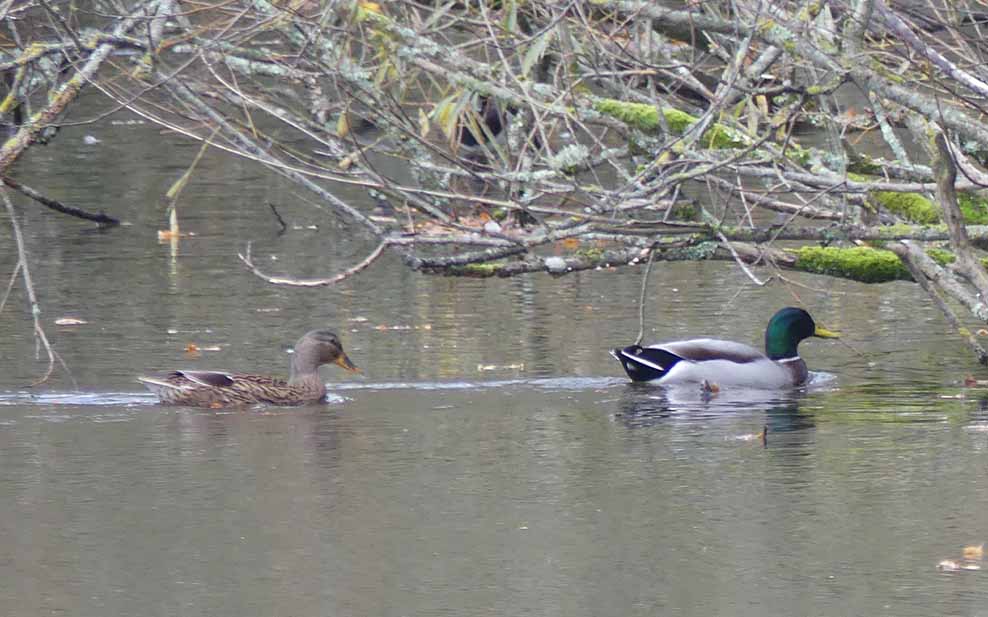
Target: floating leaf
(70, 321)
(974, 552)
(404, 327)
(500, 367)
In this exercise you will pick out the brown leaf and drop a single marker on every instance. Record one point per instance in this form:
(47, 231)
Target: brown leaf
(974, 552)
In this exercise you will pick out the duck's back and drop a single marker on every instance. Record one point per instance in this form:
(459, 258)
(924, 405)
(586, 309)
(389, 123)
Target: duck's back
(222, 389)
(709, 349)
(727, 363)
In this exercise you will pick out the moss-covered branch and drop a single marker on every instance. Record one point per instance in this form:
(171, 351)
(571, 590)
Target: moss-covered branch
(646, 118)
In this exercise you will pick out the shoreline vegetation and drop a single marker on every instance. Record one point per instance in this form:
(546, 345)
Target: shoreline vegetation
(844, 138)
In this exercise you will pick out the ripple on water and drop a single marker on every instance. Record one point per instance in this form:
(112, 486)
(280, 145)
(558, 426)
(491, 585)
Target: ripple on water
(76, 398)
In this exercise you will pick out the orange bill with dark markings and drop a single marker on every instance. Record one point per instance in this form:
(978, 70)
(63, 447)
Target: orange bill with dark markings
(344, 362)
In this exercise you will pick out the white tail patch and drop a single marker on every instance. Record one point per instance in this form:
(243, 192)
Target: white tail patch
(643, 361)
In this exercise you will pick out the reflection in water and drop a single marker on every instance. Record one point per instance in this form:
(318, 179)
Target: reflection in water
(405, 494)
(644, 404)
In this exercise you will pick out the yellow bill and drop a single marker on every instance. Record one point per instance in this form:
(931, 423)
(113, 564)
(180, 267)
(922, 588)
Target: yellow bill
(825, 333)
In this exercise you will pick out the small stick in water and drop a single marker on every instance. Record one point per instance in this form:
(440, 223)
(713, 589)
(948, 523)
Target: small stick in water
(281, 221)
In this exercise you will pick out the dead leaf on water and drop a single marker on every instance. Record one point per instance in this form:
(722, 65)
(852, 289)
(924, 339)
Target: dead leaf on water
(501, 367)
(950, 565)
(404, 327)
(976, 551)
(748, 437)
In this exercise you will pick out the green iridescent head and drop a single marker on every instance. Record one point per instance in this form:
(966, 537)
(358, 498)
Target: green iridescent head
(787, 328)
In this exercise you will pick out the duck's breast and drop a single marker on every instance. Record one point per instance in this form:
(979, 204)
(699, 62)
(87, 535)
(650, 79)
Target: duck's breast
(762, 374)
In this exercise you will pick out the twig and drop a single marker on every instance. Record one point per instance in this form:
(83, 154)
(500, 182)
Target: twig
(57, 18)
(10, 285)
(102, 219)
(39, 331)
(281, 221)
(641, 298)
(324, 282)
(740, 262)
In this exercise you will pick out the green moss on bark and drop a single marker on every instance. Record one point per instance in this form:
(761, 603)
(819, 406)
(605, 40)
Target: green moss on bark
(646, 118)
(911, 206)
(862, 264)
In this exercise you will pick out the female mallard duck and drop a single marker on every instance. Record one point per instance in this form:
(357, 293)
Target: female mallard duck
(221, 389)
(728, 363)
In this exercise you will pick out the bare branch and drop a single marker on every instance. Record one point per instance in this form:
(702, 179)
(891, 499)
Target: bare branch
(102, 219)
(39, 331)
(323, 282)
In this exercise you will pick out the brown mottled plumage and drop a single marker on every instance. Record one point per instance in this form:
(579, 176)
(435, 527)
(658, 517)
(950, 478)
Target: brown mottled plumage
(222, 389)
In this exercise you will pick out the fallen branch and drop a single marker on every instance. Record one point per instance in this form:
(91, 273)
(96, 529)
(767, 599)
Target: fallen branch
(909, 257)
(102, 219)
(942, 278)
(324, 282)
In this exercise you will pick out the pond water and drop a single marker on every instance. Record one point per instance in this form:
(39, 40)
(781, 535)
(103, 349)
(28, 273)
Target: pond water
(491, 459)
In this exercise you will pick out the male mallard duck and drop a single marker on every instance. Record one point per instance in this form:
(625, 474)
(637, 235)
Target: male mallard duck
(221, 389)
(726, 362)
